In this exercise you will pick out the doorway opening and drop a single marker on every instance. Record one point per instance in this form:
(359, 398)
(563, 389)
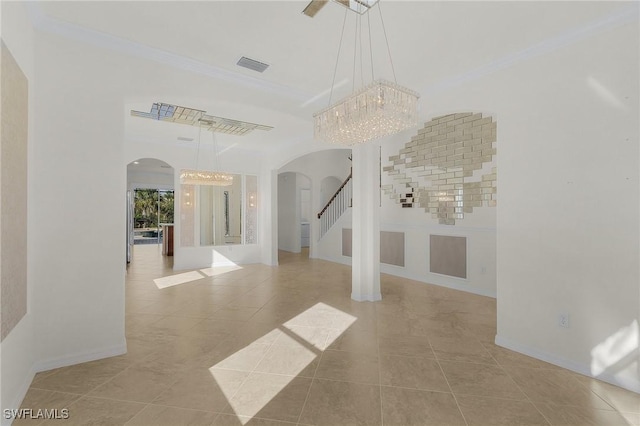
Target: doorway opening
(150, 206)
(152, 211)
(294, 216)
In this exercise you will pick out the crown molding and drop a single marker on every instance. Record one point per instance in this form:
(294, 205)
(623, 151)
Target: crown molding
(616, 19)
(47, 24)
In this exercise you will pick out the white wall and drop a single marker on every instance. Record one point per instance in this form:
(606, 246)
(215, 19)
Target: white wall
(288, 213)
(304, 208)
(18, 350)
(79, 181)
(568, 238)
(304, 204)
(568, 205)
(328, 187)
(268, 213)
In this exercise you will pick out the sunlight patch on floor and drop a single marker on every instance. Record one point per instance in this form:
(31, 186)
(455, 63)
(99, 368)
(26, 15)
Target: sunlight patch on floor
(173, 280)
(302, 339)
(220, 270)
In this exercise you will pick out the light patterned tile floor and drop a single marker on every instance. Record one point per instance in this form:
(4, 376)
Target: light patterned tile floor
(258, 345)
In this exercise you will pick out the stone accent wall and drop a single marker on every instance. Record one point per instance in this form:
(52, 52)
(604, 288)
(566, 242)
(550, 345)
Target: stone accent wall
(448, 168)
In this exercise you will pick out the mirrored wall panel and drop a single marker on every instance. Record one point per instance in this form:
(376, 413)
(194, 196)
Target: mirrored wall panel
(221, 213)
(215, 214)
(187, 215)
(251, 227)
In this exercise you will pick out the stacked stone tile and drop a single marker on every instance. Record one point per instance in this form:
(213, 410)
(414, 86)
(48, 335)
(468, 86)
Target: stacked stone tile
(441, 168)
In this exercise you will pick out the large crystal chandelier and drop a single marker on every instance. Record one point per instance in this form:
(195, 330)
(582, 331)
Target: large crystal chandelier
(379, 109)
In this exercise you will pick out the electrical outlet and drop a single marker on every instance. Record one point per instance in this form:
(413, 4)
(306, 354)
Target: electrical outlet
(483, 270)
(563, 320)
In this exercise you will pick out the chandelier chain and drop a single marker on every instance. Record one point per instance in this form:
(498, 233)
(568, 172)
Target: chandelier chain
(198, 151)
(205, 177)
(215, 152)
(335, 69)
(361, 52)
(384, 30)
(355, 55)
(370, 46)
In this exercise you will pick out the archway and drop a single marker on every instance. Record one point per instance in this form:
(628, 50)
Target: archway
(150, 205)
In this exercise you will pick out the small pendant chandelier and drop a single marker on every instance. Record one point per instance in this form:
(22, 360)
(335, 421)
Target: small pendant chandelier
(205, 177)
(379, 109)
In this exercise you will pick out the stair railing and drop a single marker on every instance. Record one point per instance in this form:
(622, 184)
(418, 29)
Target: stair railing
(336, 205)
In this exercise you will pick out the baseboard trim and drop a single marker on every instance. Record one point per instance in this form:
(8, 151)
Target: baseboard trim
(22, 392)
(366, 297)
(65, 361)
(466, 287)
(399, 272)
(629, 383)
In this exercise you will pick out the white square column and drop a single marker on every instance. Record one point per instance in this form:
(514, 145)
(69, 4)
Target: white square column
(365, 269)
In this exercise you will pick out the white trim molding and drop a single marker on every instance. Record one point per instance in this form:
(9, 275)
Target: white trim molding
(629, 383)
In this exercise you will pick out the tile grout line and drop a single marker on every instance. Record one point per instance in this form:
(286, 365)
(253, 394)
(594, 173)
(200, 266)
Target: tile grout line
(584, 386)
(164, 406)
(122, 372)
(614, 409)
(380, 380)
(449, 385)
(144, 404)
(521, 390)
(245, 379)
(304, 404)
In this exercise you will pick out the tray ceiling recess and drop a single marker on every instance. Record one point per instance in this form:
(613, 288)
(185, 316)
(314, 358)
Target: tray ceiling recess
(195, 117)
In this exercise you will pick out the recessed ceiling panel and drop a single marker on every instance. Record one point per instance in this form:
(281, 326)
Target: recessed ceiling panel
(195, 117)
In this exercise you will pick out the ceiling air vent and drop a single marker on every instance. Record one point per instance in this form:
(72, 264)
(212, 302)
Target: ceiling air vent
(252, 64)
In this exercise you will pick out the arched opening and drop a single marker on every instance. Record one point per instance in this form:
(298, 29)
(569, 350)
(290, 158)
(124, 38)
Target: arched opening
(150, 207)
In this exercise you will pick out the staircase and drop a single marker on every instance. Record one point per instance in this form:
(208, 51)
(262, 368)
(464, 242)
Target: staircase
(337, 205)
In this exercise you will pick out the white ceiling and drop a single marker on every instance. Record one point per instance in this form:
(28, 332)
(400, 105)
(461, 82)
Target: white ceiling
(432, 44)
